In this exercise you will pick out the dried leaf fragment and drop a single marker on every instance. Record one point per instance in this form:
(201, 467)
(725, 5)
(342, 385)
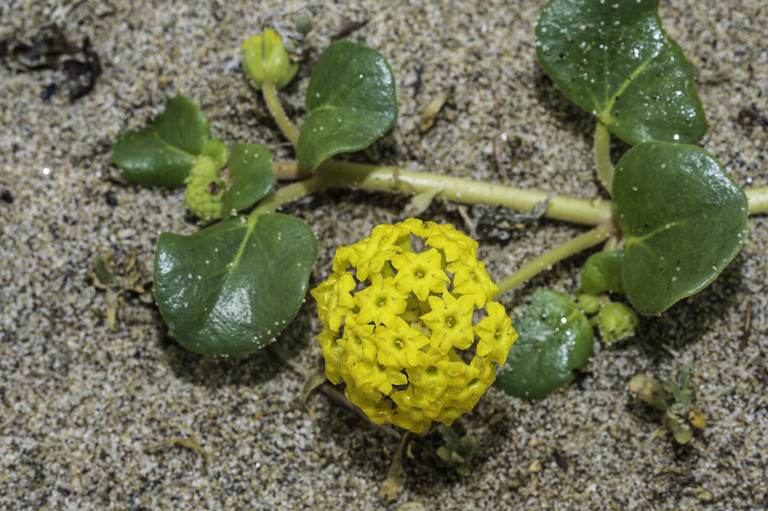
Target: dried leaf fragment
(430, 114)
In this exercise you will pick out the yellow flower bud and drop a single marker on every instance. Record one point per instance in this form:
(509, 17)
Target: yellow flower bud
(400, 342)
(265, 59)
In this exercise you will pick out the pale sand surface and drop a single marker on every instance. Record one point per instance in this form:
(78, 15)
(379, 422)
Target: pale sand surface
(82, 408)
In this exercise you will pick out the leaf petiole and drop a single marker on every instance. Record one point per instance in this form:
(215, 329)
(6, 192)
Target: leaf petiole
(278, 114)
(603, 163)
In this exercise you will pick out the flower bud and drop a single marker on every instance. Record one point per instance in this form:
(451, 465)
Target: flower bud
(589, 304)
(616, 322)
(265, 59)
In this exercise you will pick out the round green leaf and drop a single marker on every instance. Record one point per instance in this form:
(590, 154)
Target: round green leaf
(163, 153)
(234, 286)
(614, 60)
(350, 103)
(684, 219)
(555, 338)
(251, 178)
(602, 272)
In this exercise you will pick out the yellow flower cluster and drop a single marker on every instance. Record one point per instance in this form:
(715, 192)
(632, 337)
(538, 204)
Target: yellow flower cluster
(394, 341)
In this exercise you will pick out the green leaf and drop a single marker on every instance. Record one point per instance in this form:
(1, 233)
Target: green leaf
(251, 178)
(234, 286)
(163, 153)
(555, 338)
(350, 102)
(614, 60)
(684, 219)
(602, 272)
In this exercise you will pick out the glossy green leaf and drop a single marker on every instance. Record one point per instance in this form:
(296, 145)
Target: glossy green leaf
(163, 153)
(602, 272)
(684, 219)
(350, 103)
(555, 338)
(234, 286)
(251, 178)
(614, 60)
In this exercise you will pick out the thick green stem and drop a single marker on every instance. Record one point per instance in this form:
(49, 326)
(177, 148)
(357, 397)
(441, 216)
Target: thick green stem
(576, 245)
(276, 109)
(758, 200)
(332, 174)
(603, 156)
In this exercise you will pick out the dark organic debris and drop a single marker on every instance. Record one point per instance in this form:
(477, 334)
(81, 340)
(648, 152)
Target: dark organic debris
(45, 52)
(49, 90)
(51, 50)
(747, 327)
(110, 198)
(349, 27)
(498, 222)
(561, 460)
(82, 74)
(6, 196)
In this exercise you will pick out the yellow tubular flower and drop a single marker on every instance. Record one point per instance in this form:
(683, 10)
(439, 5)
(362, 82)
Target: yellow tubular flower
(401, 341)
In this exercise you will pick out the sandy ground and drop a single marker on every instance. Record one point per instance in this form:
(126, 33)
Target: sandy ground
(84, 411)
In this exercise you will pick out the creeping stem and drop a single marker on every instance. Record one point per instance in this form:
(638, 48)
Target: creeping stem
(338, 174)
(278, 114)
(758, 199)
(603, 156)
(587, 240)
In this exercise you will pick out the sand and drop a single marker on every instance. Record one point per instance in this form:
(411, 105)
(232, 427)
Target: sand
(86, 413)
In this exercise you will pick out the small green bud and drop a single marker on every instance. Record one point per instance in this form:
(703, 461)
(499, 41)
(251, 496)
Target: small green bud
(649, 390)
(589, 304)
(205, 189)
(303, 24)
(217, 150)
(616, 322)
(265, 59)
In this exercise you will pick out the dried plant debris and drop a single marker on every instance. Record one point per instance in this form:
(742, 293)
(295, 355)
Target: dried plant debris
(132, 282)
(458, 451)
(51, 50)
(497, 222)
(682, 417)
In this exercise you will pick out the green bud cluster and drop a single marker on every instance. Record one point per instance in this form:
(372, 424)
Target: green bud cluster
(205, 189)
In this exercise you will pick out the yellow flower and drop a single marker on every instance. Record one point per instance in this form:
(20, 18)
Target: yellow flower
(454, 244)
(380, 302)
(420, 273)
(400, 346)
(451, 321)
(495, 333)
(395, 343)
(472, 279)
(333, 299)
